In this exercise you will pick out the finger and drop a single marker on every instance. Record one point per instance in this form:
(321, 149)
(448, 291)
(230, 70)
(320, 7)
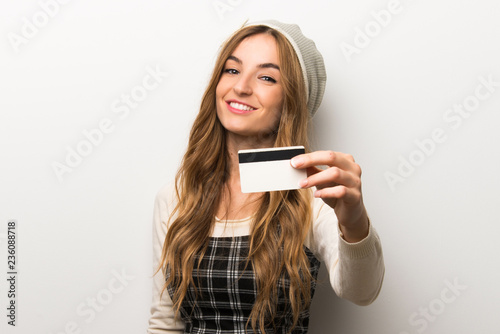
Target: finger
(328, 158)
(348, 195)
(331, 177)
(313, 170)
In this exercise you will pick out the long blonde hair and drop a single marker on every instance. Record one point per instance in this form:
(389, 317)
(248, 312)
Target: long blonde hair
(280, 224)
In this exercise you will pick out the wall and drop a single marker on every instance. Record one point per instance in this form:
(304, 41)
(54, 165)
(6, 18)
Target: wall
(97, 99)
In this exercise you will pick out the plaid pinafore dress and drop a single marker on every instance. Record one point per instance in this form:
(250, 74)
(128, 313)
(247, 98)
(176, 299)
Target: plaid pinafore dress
(227, 291)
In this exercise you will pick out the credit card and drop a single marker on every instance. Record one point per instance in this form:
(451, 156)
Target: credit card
(269, 169)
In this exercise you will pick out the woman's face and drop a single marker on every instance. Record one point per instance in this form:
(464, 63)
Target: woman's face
(249, 95)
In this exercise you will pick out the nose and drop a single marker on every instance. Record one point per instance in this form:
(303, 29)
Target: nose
(243, 86)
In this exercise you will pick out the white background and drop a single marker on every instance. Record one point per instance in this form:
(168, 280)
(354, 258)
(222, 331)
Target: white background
(438, 223)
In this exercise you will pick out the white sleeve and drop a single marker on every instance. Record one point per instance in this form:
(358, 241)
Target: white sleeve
(162, 319)
(356, 269)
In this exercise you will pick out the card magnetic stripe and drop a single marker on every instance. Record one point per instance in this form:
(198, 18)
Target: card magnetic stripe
(269, 155)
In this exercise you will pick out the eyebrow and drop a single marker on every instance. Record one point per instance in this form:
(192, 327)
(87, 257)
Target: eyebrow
(265, 65)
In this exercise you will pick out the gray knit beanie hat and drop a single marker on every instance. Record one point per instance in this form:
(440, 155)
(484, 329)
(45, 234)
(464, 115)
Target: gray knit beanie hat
(311, 60)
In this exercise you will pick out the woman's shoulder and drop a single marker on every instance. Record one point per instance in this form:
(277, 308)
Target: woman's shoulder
(165, 202)
(166, 194)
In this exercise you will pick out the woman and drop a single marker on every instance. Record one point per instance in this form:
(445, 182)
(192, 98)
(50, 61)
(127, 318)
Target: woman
(229, 262)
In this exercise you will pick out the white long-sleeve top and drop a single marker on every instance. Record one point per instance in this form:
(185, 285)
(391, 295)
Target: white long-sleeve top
(356, 269)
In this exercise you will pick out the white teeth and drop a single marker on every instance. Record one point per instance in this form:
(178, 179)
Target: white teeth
(240, 106)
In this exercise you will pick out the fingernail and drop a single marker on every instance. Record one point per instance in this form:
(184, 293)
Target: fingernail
(317, 194)
(303, 183)
(296, 162)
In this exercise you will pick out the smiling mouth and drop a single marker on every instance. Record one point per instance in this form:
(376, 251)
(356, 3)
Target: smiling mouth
(240, 107)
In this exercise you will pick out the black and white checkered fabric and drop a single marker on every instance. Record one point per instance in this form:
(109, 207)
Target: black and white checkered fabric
(227, 291)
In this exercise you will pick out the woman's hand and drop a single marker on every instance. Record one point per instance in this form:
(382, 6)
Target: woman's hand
(339, 186)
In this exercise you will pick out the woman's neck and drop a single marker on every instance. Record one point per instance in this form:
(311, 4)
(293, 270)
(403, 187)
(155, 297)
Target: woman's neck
(234, 204)
(235, 142)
